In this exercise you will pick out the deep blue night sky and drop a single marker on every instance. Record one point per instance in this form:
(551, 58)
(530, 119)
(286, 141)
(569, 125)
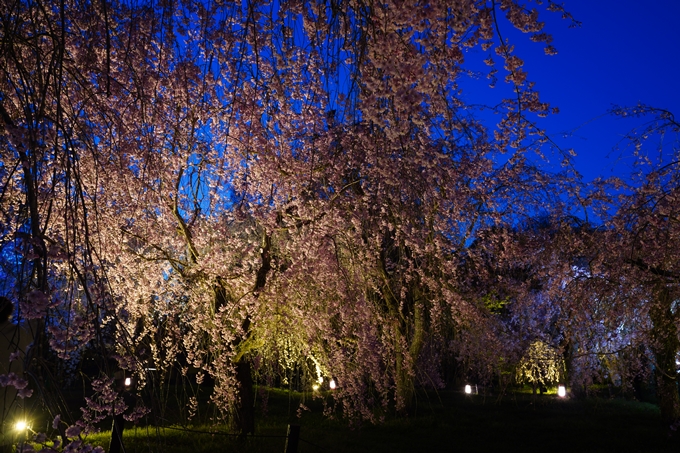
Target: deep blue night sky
(625, 52)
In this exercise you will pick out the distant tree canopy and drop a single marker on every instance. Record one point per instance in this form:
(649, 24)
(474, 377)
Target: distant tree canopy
(282, 191)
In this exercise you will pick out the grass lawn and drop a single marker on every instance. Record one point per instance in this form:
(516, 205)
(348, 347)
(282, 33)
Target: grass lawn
(443, 422)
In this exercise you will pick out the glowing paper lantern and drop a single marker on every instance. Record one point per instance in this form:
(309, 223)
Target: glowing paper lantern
(561, 391)
(468, 389)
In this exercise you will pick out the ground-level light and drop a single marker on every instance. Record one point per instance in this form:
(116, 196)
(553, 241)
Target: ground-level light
(128, 382)
(561, 391)
(471, 390)
(332, 384)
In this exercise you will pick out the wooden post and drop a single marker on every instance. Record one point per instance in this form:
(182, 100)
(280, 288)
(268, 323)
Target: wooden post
(292, 438)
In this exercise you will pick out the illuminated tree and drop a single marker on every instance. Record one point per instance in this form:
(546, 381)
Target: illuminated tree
(241, 187)
(613, 287)
(540, 366)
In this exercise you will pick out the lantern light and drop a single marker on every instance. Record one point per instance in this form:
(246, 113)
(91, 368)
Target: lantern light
(561, 391)
(332, 384)
(128, 382)
(468, 389)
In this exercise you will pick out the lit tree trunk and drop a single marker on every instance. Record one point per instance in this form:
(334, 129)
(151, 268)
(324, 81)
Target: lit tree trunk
(404, 386)
(245, 410)
(403, 379)
(416, 346)
(665, 346)
(405, 369)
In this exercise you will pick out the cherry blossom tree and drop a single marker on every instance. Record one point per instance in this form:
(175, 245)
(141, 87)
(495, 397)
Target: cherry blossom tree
(239, 189)
(647, 227)
(540, 366)
(611, 287)
(550, 281)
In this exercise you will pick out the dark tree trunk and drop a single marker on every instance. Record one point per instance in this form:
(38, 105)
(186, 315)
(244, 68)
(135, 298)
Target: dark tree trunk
(116, 441)
(245, 411)
(665, 347)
